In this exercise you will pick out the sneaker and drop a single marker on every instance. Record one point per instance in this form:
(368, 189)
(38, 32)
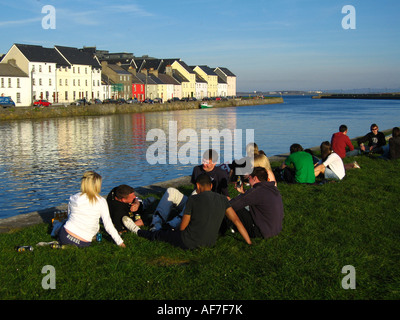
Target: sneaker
(356, 165)
(43, 244)
(130, 225)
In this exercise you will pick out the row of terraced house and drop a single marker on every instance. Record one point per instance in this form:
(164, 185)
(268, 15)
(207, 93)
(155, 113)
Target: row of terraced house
(66, 74)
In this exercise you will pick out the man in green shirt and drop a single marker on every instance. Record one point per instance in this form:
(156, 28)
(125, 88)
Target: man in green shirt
(302, 163)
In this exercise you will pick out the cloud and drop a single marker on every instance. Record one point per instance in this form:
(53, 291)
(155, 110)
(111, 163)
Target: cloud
(130, 8)
(19, 22)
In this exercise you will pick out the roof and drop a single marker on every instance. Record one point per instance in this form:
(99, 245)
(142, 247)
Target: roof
(8, 70)
(40, 54)
(168, 79)
(142, 77)
(118, 69)
(207, 70)
(226, 71)
(179, 77)
(200, 79)
(136, 80)
(188, 69)
(220, 80)
(76, 56)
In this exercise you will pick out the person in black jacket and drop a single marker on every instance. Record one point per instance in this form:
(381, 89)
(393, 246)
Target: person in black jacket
(265, 217)
(376, 140)
(122, 201)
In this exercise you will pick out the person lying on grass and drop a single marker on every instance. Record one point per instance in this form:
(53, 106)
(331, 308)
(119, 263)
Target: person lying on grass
(201, 220)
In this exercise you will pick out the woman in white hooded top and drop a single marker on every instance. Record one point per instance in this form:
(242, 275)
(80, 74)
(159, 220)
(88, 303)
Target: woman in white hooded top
(84, 212)
(331, 164)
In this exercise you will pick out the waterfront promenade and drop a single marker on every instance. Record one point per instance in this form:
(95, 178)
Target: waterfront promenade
(55, 111)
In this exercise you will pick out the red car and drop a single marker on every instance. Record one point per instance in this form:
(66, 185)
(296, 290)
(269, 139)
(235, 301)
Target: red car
(43, 103)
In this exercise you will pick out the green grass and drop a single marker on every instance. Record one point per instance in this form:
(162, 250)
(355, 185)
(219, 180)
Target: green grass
(353, 222)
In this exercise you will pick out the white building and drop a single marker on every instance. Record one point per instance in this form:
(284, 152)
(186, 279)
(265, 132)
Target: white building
(40, 64)
(201, 88)
(14, 83)
(229, 78)
(222, 87)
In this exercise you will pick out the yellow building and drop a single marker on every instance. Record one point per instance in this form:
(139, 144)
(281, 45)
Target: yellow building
(211, 77)
(188, 88)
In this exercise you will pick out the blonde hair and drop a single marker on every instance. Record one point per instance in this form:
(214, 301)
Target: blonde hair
(261, 160)
(251, 149)
(91, 185)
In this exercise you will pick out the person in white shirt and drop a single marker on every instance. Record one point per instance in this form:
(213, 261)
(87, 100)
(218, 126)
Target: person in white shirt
(331, 164)
(84, 212)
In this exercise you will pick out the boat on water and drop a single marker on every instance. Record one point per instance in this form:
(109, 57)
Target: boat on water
(205, 105)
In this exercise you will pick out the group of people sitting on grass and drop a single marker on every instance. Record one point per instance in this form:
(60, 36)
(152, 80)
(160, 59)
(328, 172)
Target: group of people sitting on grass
(197, 220)
(301, 166)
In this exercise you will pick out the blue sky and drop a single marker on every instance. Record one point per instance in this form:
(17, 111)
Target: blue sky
(269, 45)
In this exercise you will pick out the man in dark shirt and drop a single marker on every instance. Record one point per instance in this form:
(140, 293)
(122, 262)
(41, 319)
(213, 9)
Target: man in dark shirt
(201, 221)
(122, 201)
(376, 140)
(266, 208)
(219, 177)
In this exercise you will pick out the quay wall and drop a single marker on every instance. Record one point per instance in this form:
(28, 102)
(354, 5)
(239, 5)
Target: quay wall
(56, 111)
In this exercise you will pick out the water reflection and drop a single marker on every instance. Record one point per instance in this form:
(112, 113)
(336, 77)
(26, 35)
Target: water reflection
(41, 161)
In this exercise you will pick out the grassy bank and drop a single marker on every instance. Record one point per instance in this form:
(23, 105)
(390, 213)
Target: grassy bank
(107, 109)
(326, 227)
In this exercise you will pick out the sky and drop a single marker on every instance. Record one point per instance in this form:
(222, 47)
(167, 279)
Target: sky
(269, 45)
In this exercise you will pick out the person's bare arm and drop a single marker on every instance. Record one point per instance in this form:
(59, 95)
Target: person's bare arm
(185, 222)
(231, 214)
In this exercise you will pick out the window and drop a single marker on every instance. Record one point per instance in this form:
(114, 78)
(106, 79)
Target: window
(40, 82)
(18, 83)
(33, 81)
(79, 82)
(49, 69)
(73, 82)
(9, 82)
(49, 82)
(40, 68)
(86, 83)
(66, 95)
(18, 97)
(60, 82)
(2, 82)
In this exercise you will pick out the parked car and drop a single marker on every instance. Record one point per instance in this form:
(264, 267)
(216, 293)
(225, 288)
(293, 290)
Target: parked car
(80, 102)
(6, 102)
(110, 101)
(173, 99)
(157, 100)
(132, 101)
(121, 101)
(42, 103)
(96, 101)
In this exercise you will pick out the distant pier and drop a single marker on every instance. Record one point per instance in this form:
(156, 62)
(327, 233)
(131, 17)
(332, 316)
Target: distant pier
(388, 96)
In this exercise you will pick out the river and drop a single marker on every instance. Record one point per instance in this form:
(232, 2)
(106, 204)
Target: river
(41, 161)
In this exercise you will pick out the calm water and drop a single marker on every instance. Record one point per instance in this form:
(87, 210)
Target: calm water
(41, 161)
